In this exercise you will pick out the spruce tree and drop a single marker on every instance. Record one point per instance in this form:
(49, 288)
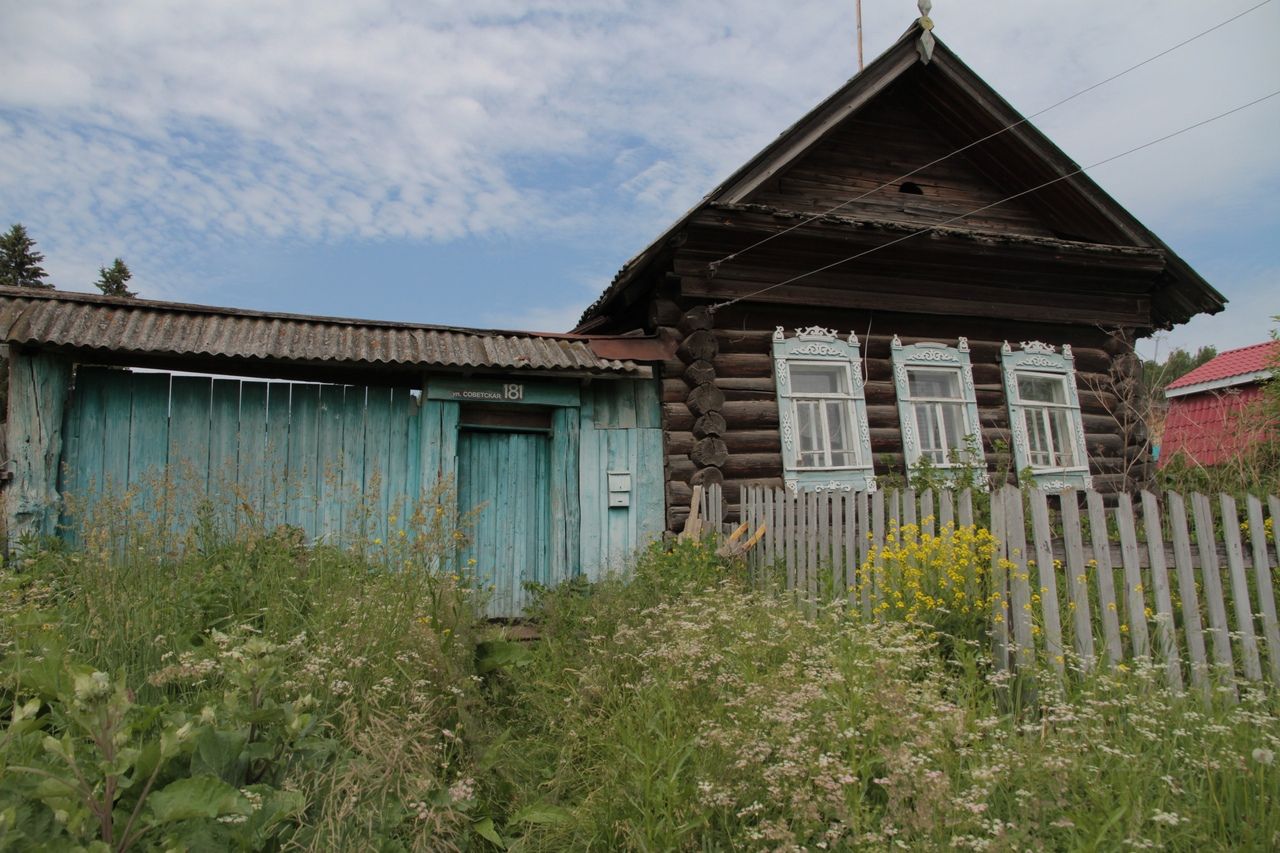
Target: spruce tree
(19, 260)
(113, 280)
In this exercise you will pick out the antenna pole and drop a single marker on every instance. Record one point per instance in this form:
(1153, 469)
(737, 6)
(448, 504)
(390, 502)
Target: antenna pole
(859, 10)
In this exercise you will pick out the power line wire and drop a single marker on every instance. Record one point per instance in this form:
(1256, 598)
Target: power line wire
(969, 213)
(713, 265)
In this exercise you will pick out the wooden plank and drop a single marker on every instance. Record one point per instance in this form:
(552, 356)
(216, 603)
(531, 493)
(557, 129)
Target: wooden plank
(224, 451)
(329, 463)
(188, 448)
(399, 497)
(877, 545)
(251, 472)
(999, 584)
(790, 503)
(1262, 577)
(32, 442)
(1192, 626)
(965, 510)
(355, 512)
(927, 516)
(893, 521)
(301, 486)
(1135, 600)
(377, 440)
(822, 501)
(1107, 606)
(117, 389)
(1024, 648)
(1166, 637)
(946, 508)
(1077, 582)
(909, 508)
(276, 455)
(770, 541)
(861, 566)
(853, 535)
(1240, 589)
(1211, 579)
(812, 522)
(1049, 603)
(149, 446)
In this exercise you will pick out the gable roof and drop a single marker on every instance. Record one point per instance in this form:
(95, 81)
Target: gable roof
(979, 110)
(1234, 367)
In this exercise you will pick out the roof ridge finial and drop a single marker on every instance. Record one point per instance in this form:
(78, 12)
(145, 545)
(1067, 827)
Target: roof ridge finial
(925, 44)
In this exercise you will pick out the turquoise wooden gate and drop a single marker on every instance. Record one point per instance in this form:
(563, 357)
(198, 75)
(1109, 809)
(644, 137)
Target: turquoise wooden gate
(506, 477)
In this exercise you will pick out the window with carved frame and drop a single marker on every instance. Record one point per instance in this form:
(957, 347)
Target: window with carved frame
(1044, 415)
(937, 405)
(822, 411)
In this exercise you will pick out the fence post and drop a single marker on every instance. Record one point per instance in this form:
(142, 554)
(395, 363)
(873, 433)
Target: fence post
(1082, 619)
(999, 584)
(1240, 588)
(1212, 577)
(1262, 577)
(1192, 627)
(862, 571)
(1135, 602)
(1101, 541)
(877, 542)
(1168, 638)
(1016, 531)
(1049, 604)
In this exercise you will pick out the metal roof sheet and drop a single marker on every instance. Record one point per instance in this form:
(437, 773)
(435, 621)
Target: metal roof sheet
(1244, 362)
(100, 323)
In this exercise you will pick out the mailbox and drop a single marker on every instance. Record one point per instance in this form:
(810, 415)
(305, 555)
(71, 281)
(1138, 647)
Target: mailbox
(619, 488)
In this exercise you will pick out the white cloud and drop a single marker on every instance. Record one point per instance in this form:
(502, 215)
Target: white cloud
(168, 132)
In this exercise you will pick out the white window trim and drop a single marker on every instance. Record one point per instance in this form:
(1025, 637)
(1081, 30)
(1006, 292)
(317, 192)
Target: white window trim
(1036, 358)
(934, 356)
(819, 346)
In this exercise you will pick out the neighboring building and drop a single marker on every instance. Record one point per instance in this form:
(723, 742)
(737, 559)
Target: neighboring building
(836, 321)
(1208, 421)
(986, 306)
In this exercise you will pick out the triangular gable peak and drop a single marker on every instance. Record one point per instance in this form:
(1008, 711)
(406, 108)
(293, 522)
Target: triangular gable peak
(846, 146)
(901, 114)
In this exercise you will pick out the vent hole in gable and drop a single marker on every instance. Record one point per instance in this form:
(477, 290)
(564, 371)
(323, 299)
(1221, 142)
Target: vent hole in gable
(910, 188)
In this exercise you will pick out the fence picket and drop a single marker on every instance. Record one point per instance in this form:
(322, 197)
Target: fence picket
(1166, 636)
(1192, 627)
(877, 542)
(863, 553)
(825, 532)
(811, 544)
(1106, 577)
(894, 510)
(909, 507)
(1240, 589)
(1135, 601)
(927, 518)
(999, 584)
(851, 539)
(946, 508)
(1262, 579)
(1077, 587)
(1212, 579)
(965, 512)
(789, 502)
(1049, 605)
(1020, 576)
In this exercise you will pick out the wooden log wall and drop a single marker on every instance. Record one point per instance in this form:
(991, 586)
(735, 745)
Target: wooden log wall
(720, 411)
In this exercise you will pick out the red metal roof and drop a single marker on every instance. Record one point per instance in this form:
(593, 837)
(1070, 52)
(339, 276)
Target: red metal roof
(1236, 362)
(1212, 427)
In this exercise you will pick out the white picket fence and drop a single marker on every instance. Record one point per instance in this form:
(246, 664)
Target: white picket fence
(1112, 566)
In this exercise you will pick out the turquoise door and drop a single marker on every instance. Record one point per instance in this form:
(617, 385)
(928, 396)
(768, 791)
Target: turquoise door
(504, 490)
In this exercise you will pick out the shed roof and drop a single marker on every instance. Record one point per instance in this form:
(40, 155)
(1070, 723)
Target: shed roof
(143, 327)
(1231, 368)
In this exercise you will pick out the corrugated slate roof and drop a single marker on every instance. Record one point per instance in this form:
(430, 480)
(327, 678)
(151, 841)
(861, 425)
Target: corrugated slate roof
(1244, 362)
(139, 326)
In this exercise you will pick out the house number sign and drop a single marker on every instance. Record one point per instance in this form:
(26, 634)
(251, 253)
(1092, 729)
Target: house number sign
(496, 390)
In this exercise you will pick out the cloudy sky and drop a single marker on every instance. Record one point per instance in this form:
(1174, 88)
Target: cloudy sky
(493, 163)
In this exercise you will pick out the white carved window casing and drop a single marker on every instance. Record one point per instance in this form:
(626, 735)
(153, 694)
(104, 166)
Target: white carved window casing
(1044, 415)
(822, 411)
(937, 405)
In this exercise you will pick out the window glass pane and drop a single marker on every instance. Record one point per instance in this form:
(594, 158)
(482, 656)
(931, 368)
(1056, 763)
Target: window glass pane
(934, 383)
(807, 429)
(1038, 437)
(930, 438)
(819, 379)
(952, 427)
(1062, 442)
(840, 433)
(1041, 389)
